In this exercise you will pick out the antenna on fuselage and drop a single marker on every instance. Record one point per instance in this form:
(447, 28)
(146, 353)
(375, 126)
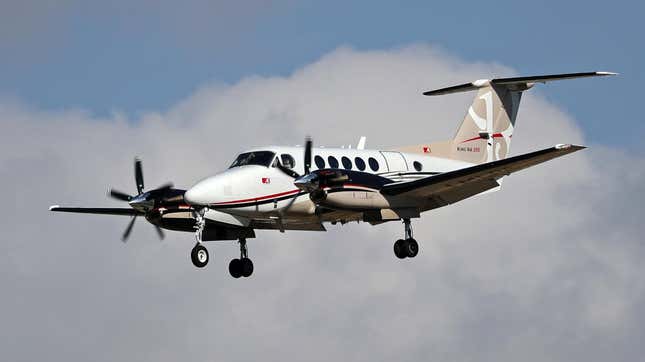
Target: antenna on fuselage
(361, 143)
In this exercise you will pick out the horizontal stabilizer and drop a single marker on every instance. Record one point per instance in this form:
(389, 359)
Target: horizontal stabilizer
(522, 83)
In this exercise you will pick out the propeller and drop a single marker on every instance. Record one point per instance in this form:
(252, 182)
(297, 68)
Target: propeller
(144, 201)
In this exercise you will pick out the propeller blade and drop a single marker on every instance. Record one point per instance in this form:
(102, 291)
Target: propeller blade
(160, 232)
(308, 146)
(138, 175)
(119, 195)
(126, 234)
(287, 171)
(284, 211)
(163, 194)
(293, 199)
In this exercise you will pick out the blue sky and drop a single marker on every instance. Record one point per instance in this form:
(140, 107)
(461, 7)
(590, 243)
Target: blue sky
(138, 56)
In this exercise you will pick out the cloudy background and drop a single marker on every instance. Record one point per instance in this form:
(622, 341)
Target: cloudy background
(548, 269)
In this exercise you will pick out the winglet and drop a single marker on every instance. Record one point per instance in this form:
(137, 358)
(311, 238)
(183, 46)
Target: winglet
(53, 207)
(607, 73)
(564, 146)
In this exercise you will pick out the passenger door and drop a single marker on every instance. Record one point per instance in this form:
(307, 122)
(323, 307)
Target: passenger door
(395, 161)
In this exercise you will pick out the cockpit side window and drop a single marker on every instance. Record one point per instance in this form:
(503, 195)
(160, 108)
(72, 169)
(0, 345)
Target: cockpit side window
(288, 161)
(261, 158)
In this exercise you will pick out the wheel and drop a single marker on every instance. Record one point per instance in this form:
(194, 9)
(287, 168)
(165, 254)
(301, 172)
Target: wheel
(235, 268)
(199, 256)
(411, 248)
(400, 249)
(247, 267)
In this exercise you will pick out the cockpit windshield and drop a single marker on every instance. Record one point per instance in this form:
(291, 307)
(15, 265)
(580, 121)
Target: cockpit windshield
(262, 158)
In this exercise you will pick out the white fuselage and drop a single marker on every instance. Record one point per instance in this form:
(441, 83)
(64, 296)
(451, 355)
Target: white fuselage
(260, 191)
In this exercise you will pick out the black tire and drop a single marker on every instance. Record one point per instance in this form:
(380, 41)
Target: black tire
(199, 256)
(400, 247)
(411, 248)
(235, 268)
(247, 267)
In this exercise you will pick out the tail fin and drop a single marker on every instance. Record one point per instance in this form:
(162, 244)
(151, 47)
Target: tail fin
(486, 132)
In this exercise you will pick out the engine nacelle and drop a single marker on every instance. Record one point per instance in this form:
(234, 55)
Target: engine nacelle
(341, 199)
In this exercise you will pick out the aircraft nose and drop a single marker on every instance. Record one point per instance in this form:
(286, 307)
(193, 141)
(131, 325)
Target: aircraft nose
(209, 191)
(198, 194)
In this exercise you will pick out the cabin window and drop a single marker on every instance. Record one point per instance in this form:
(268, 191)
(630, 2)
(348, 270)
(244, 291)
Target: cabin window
(261, 158)
(417, 166)
(320, 162)
(360, 164)
(288, 161)
(347, 163)
(333, 162)
(373, 164)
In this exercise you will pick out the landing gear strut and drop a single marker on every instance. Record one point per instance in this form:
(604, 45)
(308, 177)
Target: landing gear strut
(408, 247)
(199, 254)
(242, 267)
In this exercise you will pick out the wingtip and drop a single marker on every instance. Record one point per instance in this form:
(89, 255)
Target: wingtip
(566, 146)
(53, 207)
(607, 73)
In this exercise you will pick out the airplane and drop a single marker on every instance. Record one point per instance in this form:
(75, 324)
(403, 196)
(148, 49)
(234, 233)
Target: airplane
(302, 188)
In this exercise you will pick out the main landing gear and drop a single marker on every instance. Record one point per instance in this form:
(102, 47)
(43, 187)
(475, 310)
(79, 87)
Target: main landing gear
(408, 247)
(242, 267)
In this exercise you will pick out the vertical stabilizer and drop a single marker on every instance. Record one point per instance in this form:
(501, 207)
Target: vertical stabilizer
(486, 132)
(487, 129)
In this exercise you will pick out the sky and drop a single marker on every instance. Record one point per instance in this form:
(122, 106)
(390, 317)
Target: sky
(547, 269)
(137, 56)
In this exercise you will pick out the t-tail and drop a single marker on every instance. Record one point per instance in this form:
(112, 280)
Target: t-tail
(486, 132)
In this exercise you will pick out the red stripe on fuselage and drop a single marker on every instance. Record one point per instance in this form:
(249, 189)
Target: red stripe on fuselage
(257, 198)
(277, 195)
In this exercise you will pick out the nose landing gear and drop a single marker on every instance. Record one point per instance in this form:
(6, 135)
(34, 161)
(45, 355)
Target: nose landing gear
(242, 267)
(408, 247)
(199, 254)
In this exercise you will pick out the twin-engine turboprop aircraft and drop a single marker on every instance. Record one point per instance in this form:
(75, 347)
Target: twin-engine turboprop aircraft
(301, 188)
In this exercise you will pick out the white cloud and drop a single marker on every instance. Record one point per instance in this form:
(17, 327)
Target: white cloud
(547, 269)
